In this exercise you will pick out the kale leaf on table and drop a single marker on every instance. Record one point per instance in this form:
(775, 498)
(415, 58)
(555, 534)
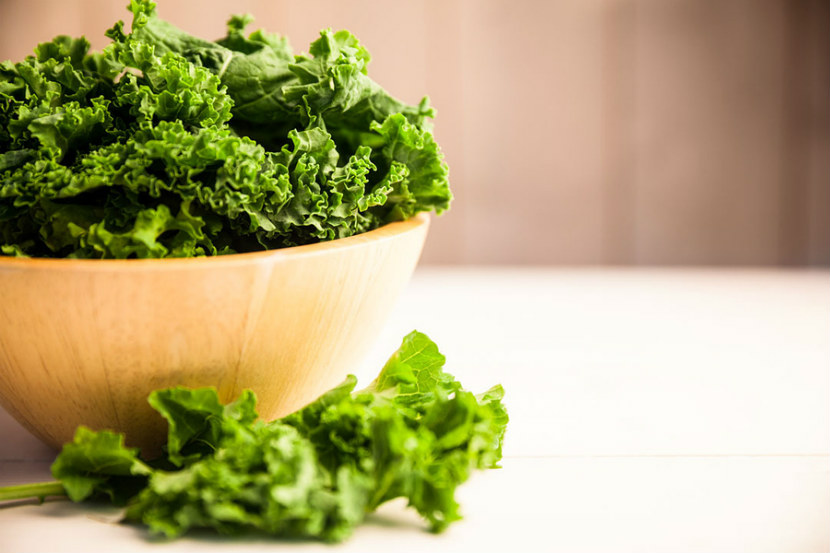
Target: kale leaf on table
(168, 145)
(413, 433)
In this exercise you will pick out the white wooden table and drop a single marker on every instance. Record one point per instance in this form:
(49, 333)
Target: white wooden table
(651, 410)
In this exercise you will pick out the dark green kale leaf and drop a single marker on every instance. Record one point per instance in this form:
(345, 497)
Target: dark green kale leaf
(168, 145)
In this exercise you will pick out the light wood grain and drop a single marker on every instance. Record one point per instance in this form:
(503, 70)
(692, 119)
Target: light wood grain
(651, 411)
(86, 341)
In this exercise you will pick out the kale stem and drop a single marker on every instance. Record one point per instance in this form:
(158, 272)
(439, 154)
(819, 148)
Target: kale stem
(25, 491)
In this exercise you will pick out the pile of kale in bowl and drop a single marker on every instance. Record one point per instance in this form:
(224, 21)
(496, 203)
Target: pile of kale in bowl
(168, 145)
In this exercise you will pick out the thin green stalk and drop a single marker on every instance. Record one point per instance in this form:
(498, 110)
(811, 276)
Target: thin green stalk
(25, 491)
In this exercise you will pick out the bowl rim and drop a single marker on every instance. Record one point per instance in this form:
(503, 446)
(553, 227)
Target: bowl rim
(383, 233)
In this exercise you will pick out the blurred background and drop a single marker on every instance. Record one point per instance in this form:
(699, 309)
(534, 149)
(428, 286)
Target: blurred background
(599, 132)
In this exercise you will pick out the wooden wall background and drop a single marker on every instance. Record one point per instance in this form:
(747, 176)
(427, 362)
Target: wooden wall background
(580, 131)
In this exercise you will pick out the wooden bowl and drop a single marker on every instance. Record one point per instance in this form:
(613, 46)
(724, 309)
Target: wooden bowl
(86, 341)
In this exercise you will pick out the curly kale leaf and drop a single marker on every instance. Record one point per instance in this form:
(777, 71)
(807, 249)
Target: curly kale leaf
(413, 433)
(168, 145)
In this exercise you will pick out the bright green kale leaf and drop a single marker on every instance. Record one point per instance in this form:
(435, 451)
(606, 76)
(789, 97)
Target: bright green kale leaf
(98, 462)
(415, 373)
(256, 476)
(168, 145)
(197, 422)
(413, 433)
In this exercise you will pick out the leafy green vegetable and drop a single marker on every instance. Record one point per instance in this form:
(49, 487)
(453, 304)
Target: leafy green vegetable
(98, 462)
(413, 433)
(167, 145)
